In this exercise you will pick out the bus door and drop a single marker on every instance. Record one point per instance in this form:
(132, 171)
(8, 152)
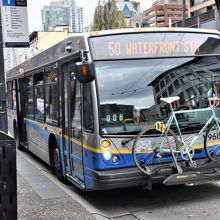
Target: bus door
(19, 106)
(72, 128)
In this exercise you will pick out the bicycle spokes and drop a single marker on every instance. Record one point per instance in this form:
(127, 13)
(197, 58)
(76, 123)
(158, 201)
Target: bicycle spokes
(154, 150)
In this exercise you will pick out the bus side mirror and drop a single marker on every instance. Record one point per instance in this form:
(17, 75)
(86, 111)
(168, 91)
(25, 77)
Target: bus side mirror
(85, 71)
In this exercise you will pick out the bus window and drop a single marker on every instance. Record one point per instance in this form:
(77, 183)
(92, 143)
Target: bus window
(14, 95)
(9, 95)
(39, 96)
(51, 96)
(87, 108)
(76, 108)
(30, 102)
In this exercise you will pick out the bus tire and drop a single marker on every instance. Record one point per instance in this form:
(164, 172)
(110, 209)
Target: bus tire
(56, 164)
(17, 139)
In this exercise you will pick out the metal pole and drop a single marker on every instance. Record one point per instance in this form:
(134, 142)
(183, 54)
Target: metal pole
(217, 14)
(3, 111)
(184, 13)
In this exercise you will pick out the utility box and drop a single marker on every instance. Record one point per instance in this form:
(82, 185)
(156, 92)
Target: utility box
(8, 180)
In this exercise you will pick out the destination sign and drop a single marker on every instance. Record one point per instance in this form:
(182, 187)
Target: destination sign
(150, 45)
(151, 48)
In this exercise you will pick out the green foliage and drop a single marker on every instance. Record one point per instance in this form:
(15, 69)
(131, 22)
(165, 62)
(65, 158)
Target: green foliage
(108, 17)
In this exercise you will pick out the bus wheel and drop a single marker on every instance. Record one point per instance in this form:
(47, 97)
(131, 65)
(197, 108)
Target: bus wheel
(17, 140)
(56, 165)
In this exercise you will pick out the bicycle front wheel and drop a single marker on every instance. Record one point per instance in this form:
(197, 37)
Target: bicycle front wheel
(212, 142)
(152, 148)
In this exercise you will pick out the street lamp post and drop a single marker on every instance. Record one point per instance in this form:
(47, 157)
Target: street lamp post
(184, 13)
(3, 113)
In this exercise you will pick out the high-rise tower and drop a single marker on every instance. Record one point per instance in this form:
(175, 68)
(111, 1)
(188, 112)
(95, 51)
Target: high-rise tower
(62, 13)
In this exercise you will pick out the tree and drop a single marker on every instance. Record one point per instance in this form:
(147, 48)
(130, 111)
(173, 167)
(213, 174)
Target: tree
(98, 18)
(108, 17)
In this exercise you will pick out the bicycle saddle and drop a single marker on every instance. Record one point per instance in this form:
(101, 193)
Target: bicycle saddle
(214, 99)
(170, 99)
(214, 102)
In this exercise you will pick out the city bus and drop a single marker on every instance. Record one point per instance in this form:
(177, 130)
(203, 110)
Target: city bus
(79, 104)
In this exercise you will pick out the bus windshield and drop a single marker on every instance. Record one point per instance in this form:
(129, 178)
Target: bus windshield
(130, 91)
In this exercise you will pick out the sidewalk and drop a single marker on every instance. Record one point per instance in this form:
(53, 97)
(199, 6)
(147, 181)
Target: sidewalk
(39, 198)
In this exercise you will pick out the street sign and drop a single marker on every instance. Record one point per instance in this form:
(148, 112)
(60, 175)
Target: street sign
(15, 23)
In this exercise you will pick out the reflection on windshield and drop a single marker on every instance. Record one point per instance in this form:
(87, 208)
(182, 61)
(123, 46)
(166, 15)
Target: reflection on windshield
(130, 91)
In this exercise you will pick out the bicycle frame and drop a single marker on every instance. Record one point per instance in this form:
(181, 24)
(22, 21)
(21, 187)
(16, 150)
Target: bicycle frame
(193, 141)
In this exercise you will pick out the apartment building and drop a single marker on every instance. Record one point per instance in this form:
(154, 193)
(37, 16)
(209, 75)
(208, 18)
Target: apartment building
(62, 13)
(164, 11)
(198, 7)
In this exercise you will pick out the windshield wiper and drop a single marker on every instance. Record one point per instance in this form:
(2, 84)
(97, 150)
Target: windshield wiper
(124, 142)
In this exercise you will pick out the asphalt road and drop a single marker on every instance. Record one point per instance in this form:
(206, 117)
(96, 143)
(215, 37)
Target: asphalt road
(161, 203)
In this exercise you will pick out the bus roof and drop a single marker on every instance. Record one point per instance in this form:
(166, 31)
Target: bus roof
(153, 29)
(63, 49)
(77, 42)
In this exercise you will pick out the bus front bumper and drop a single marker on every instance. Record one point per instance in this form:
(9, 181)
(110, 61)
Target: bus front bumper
(133, 177)
(123, 178)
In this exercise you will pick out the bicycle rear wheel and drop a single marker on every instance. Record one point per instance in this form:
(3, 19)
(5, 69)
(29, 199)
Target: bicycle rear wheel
(152, 148)
(212, 142)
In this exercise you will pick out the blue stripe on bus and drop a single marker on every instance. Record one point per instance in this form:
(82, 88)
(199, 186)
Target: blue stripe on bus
(94, 159)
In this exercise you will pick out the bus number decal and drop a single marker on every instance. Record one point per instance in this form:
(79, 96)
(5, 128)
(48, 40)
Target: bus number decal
(114, 117)
(108, 118)
(121, 117)
(214, 136)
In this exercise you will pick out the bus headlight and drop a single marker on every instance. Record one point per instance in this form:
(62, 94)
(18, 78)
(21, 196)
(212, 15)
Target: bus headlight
(107, 155)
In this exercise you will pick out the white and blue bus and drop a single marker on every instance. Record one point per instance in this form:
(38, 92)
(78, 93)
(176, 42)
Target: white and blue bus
(79, 104)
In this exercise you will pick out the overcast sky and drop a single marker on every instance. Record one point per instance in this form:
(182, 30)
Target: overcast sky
(35, 6)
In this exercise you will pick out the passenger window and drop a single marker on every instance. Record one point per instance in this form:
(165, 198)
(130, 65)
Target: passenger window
(30, 99)
(39, 96)
(9, 95)
(75, 107)
(14, 95)
(87, 108)
(51, 96)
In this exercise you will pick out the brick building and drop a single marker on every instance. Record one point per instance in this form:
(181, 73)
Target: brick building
(163, 11)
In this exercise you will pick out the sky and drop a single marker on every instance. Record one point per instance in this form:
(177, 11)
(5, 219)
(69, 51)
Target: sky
(35, 6)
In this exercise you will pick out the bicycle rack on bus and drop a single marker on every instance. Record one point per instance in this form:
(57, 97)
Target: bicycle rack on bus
(209, 172)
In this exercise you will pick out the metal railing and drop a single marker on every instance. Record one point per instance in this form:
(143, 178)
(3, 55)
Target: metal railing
(195, 21)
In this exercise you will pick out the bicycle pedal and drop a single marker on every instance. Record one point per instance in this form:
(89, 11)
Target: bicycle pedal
(193, 164)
